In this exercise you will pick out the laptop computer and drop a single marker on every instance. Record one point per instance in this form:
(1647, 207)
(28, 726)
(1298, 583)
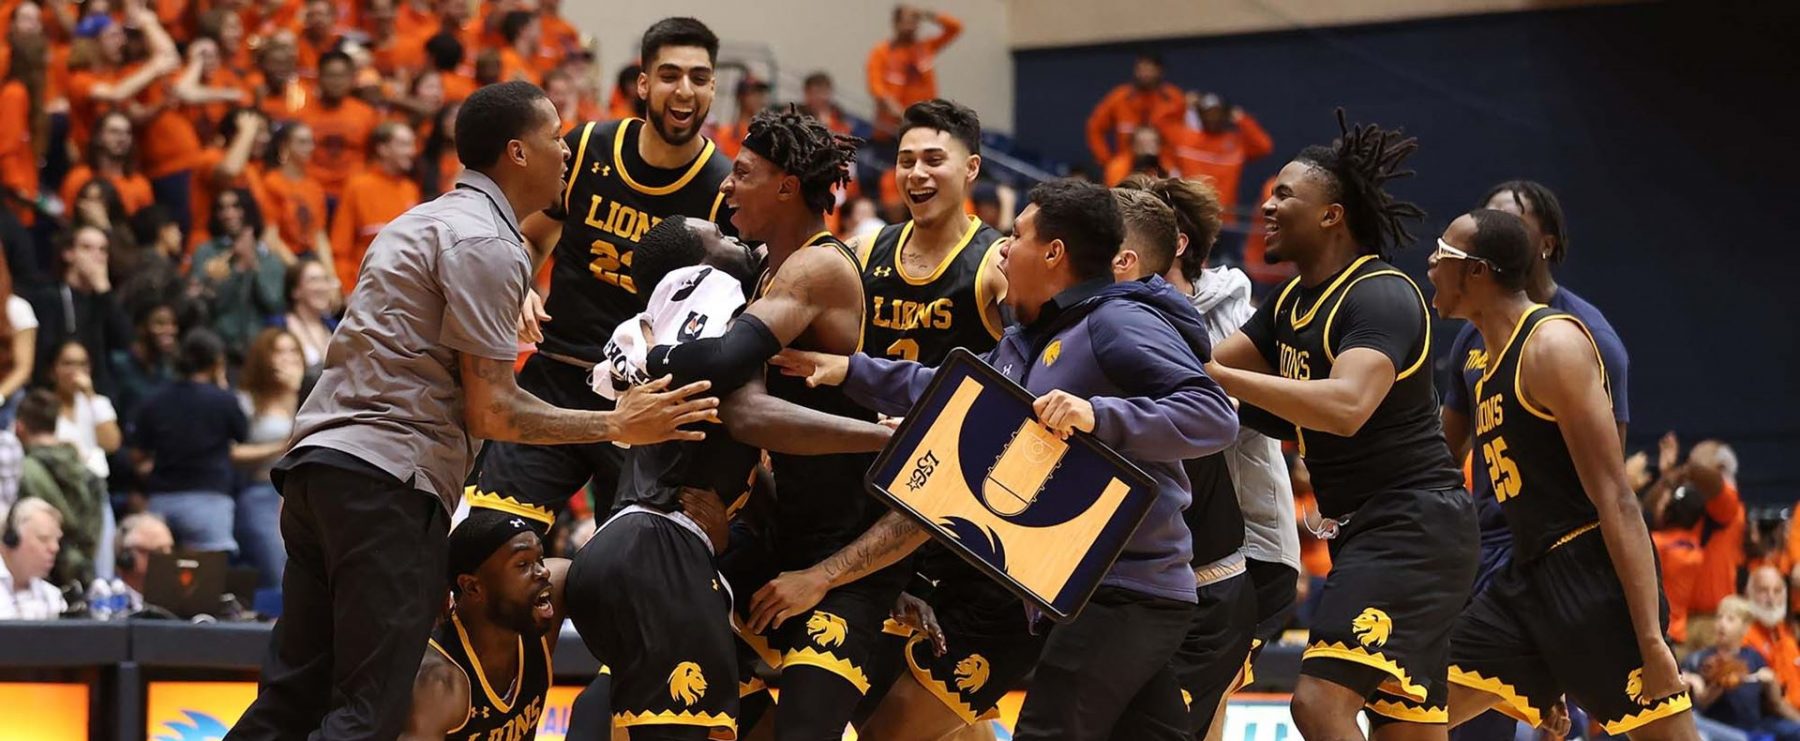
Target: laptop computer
(186, 583)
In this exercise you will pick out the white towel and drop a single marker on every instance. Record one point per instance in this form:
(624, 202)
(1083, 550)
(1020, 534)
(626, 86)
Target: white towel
(689, 304)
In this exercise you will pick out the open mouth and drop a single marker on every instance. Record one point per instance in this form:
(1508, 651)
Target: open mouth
(1270, 228)
(921, 196)
(681, 117)
(543, 608)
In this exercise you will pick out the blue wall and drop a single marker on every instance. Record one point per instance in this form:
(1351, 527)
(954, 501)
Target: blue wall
(1667, 130)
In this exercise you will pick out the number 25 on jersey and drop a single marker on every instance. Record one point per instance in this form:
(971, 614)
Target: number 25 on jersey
(1501, 470)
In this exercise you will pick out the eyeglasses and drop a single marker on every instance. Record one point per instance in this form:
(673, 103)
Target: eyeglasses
(1446, 250)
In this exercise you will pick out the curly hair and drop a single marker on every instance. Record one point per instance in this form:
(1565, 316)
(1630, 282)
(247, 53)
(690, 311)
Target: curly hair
(1198, 215)
(803, 147)
(1359, 164)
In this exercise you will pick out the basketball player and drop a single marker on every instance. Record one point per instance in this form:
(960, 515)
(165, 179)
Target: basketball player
(1575, 610)
(625, 177)
(810, 297)
(1339, 357)
(1544, 221)
(499, 637)
(1218, 643)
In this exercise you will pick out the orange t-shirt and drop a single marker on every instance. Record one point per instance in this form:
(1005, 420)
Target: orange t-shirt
(907, 73)
(342, 133)
(202, 190)
(18, 162)
(207, 118)
(1220, 157)
(1681, 557)
(513, 65)
(457, 86)
(306, 54)
(284, 106)
(134, 189)
(1782, 653)
(84, 110)
(1126, 108)
(729, 137)
(410, 21)
(1122, 165)
(1723, 542)
(557, 38)
(621, 106)
(371, 199)
(296, 208)
(168, 144)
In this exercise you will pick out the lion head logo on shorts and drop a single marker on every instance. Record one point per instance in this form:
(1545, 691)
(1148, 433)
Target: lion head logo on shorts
(1634, 686)
(687, 684)
(1372, 627)
(826, 629)
(972, 673)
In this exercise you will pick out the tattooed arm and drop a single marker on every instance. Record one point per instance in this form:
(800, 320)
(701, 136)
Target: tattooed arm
(497, 409)
(792, 593)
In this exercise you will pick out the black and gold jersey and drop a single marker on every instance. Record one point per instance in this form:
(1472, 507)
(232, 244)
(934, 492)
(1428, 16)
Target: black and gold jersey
(611, 199)
(923, 318)
(1368, 304)
(1520, 448)
(509, 712)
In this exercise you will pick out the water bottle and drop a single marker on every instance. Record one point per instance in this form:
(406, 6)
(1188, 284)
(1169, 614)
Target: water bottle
(100, 600)
(121, 598)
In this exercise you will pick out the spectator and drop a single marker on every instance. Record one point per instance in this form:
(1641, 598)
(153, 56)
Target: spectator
(171, 148)
(111, 156)
(821, 102)
(225, 27)
(296, 200)
(341, 124)
(18, 346)
(447, 53)
(439, 165)
(98, 205)
(24, 125)
(1217, 150)
(243, 139)
(1711, 468)
(276, 84)
(519, 57)
(1770, 633)
(53, 471)
(86, 419)
(861, 219)
(373, 198)
(239, 276)
(560, 87)
(580, 67)
(208, 88)
(31, 538)
(903, 69)
(141, 536)
(99, 77)
(1147, 155)
(423, 99)
(558, 39)
(1732, 684)
(1146, 101)
(318, 35)
(388, 50)
(487, 67)
(752, 96)
(80, 306)
(1676, 517)
(625, 101)
(270, 396)
(150, 273)
(149, 361)
(182, 441)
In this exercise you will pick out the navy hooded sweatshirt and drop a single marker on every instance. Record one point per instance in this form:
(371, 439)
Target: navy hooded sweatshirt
(1134, 350)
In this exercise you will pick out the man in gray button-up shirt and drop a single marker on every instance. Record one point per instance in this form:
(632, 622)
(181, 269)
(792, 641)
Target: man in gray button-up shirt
(421, 366)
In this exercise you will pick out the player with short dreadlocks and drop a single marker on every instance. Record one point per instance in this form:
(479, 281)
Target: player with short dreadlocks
(1338, 361)
(810, 297)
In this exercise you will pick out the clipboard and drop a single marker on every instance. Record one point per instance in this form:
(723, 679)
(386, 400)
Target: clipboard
(1044, 517)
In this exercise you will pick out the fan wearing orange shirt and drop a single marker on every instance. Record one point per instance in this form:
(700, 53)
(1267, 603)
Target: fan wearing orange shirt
(226, 28)
(1217, 151)
(1770, 634)
(276, 84)
(625, 102)
(560, 88)
(391, 52)
(415, 18)
(296, 201)
(1145, 101)
(373, 198)
(752, 97)
(318, 35)
(820, 93)
(1711, 468)
(557, 38)
(100, 79)
(207, 89)
(1148, 154)
(902, 70)
(340, 123)
(445, 52)
(24, 125)
(519, 56)
(112, 157)
(233, 166)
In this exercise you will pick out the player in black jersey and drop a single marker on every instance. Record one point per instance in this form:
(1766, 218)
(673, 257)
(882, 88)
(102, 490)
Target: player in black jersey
(489, 670)
(1339, 357)
(810, 297)
(1576, 610)
(625, 177)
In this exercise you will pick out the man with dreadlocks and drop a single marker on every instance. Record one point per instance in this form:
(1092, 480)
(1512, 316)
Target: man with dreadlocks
(811, 297)
(1340, 358)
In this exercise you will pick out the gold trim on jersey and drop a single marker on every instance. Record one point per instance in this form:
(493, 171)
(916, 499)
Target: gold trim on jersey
(671, 718)
(1512, 703)
(941, 690)
(1519, 371)
(1668, 706)
(575, 167)
(509, 505)
(618, 151)
(1297, 321)
(900, 246)
(1359, 655)
(817, 238)
(713, 215)
(830, 662)
(981, 297)
(469, 711)
(502, 705)
(1494, 358)
(1331, 316)
(1573, 534)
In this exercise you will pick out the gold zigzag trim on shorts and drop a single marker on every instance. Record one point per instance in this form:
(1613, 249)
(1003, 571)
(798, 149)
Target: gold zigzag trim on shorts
(509, 505)
(1404, 712)
(939, 689)
(1669, 706)
(828, 661)
(1511, 703)
(1359, 655)
(672, 718)
(755, 685)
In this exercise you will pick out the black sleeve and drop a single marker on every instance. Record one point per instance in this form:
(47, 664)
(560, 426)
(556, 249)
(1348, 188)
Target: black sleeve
(1384, 314)
(1260, 328)
(728, 360)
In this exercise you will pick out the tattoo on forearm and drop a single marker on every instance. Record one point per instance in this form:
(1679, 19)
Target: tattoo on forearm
(532, 421)
(890, 538)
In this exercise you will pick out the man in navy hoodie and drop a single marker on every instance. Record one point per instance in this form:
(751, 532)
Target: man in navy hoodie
(1123, 363)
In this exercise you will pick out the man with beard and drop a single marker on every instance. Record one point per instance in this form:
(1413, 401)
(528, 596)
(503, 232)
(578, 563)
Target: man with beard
(626, 177)
(1770, 632)
(499, 636)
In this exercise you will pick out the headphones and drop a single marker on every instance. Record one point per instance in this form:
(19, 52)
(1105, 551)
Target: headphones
(10, 536)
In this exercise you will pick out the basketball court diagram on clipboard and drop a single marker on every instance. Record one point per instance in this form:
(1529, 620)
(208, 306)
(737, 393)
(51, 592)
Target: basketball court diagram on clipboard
(1045, 517)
